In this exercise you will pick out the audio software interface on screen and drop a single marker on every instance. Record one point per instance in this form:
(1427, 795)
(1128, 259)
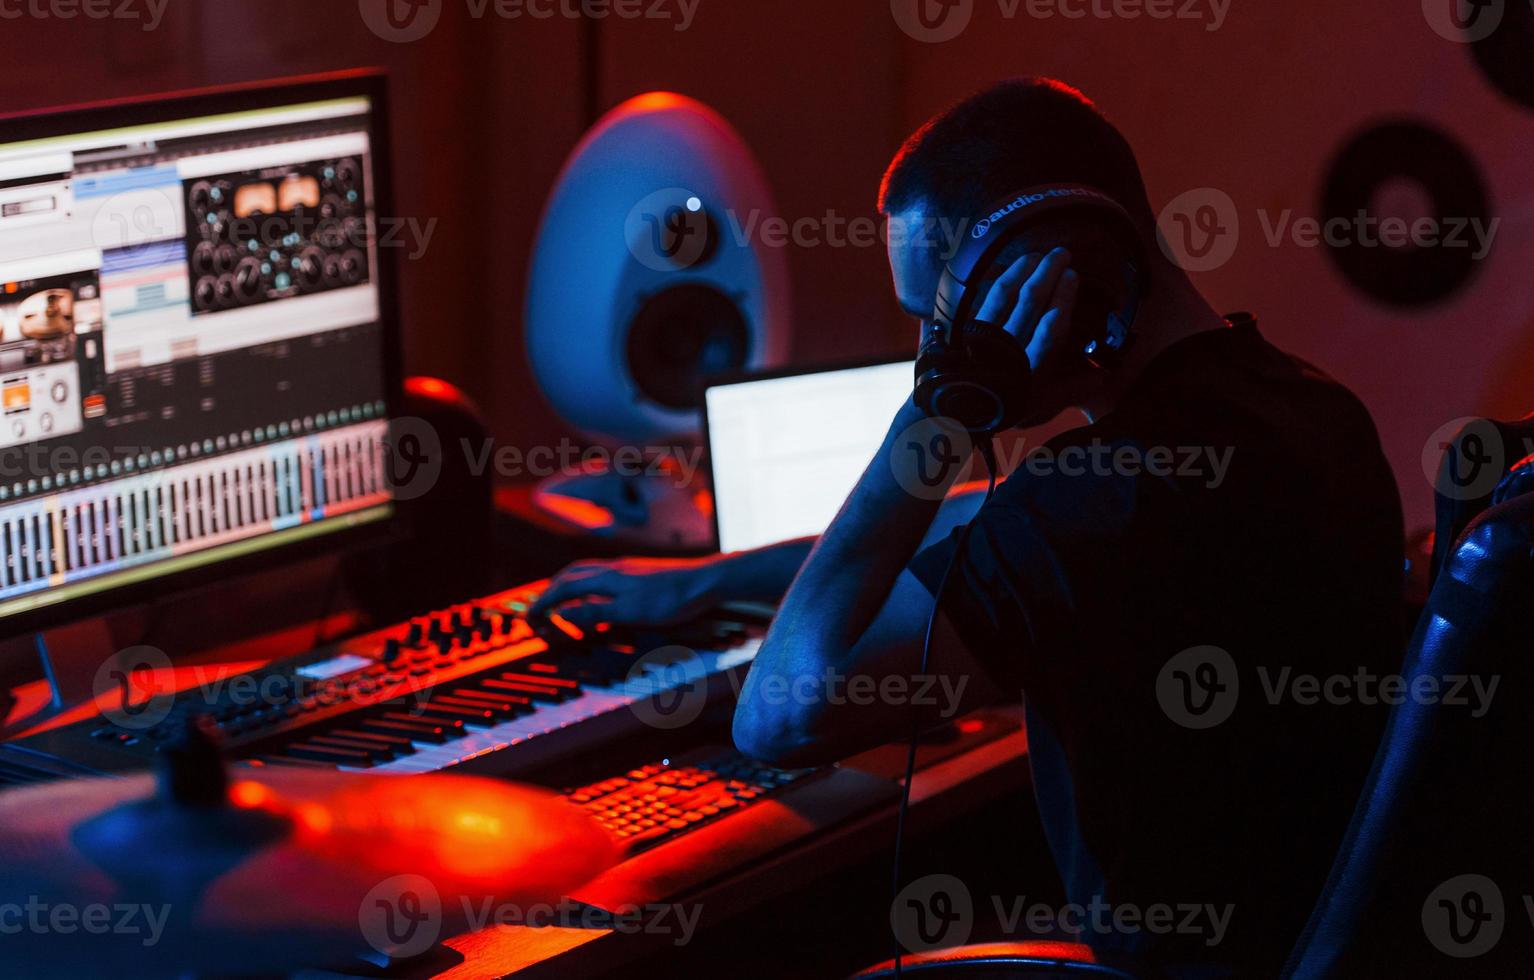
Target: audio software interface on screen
(192, 359)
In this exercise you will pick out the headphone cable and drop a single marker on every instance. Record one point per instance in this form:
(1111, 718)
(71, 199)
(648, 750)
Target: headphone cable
(988, 453)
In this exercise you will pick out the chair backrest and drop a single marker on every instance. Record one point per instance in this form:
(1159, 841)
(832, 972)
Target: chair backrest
(1431, 877)
(1473, 463)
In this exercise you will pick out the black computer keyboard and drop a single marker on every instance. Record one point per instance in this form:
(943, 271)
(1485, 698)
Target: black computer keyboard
(655, 803)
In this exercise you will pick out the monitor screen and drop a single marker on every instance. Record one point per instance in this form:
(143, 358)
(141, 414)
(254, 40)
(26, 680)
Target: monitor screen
(786, 451)
(192, 351)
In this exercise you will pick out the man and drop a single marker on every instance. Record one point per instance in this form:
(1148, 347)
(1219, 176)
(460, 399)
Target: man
(1083, 587)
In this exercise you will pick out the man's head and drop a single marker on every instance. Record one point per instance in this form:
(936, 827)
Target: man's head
(959, 165)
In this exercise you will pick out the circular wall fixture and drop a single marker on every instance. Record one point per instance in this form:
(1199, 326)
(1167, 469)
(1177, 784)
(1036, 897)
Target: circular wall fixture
(1405, 214)
(1505, 55)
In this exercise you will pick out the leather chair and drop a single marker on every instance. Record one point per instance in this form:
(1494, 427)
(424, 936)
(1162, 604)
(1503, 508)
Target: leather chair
(1448, 796)
(1036, 960)
(1463, 489)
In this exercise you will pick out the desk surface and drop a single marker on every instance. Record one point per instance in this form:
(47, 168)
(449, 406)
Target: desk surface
(726, 869)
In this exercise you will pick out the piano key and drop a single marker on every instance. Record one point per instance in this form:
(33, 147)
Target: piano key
(542, 680)
(593, 702)
(400, 744)
(330, 753)
(536, 692)
(376, 751)
(481, 717)
(501, 709)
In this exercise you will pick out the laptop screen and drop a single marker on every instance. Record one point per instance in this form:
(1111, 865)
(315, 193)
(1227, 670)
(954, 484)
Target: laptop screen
(786, 451)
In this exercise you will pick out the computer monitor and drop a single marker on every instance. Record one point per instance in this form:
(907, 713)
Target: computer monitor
(785, 449)
(198, 340)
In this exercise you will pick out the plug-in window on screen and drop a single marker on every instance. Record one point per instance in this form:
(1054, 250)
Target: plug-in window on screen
(191, 356)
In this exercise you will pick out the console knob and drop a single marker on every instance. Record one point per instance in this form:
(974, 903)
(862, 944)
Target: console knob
(226, 291)
(206, 294)
(202, 259)
(353, 268)
(247, 280)
(311, 267)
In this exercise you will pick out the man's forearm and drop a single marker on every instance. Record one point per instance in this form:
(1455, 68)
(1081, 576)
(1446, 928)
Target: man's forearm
(853, 567)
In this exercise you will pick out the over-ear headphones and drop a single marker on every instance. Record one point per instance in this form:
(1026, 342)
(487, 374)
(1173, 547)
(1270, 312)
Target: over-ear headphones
(978, 374)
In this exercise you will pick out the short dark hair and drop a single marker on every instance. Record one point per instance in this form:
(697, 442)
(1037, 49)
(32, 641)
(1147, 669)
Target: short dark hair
(1016, 134)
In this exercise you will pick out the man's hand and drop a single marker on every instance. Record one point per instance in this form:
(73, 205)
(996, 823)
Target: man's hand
(855, 609)
(632, 591)
(1034, 301)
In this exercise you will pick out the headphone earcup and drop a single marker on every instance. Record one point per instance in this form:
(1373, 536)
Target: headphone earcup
(982, 383)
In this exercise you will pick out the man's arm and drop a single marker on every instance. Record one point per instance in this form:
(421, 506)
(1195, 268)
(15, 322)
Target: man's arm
(659, 592)
(854, 619)
(854, 614)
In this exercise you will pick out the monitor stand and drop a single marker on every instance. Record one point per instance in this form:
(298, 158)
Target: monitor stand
(71, 657)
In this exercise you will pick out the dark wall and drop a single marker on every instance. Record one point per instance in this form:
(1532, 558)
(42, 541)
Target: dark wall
(486, 111)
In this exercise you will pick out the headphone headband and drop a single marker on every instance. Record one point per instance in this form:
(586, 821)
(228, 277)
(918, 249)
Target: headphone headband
(974, 372)
(989, 233)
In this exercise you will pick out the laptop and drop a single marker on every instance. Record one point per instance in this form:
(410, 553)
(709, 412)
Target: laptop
(785, 448)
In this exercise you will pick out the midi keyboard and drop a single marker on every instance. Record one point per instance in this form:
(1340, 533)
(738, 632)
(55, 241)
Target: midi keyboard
(453, 690)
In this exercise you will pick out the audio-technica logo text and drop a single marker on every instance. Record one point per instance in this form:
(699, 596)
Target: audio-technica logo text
(403, 21)
(984, 225)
